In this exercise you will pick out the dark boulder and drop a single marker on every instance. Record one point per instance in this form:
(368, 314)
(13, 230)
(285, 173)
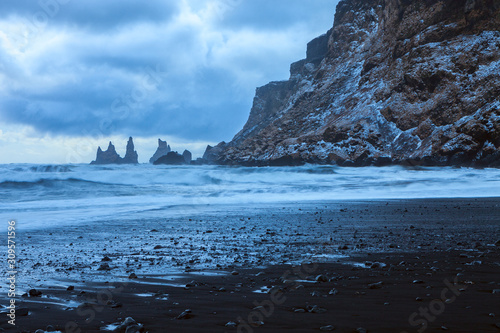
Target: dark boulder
(172, 158)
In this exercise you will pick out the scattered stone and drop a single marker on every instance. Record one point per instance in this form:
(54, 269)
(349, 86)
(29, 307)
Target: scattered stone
(299, 310)
(496, 291)
(231, 324)
(132, 276)
(418, 282)
(376, 285)
(50, 328)
(497, 243)
(234, 273)
(315, 309)
(444, 328)
(116, 305)
(129, 325)
(70, 288)
(34, 293)
(158, 247)
(333, 292)
(419, 299)
(257, 323)
(327, 328)
(321, 278)
(361, 330)
(187, 314)
(191, 284)
(104, 267)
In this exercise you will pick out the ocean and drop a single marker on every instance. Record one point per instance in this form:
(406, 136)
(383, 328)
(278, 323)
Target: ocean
(47, 196)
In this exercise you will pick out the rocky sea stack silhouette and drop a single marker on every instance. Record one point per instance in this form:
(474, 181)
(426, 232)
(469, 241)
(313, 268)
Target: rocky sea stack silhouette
(110, 156)
(165, 155)
(162, 150)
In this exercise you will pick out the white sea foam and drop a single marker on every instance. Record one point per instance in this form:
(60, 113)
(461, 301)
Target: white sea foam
(45, 196)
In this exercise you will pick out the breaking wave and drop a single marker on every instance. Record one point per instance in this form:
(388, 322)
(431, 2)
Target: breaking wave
(45, 194)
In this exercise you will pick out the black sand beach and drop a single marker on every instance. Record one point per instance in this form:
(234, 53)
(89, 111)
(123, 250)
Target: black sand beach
(376, 266)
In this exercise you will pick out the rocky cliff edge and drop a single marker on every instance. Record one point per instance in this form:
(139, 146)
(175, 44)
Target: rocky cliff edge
(394, 81)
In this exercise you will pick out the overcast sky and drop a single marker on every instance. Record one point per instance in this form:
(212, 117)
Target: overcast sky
(76, 74)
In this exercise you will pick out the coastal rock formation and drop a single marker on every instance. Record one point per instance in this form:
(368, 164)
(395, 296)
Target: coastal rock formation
(162, 150)
(172, 158)
(131, 156)
(110, 156)
(394, 81)
(188, 157)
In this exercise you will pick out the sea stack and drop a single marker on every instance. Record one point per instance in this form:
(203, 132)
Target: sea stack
(162, 150)
(131, 156)
(188, 157)
(110, 156)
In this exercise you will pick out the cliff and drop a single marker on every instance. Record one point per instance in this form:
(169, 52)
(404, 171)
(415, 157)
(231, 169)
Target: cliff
(110, 156)
(393, 81)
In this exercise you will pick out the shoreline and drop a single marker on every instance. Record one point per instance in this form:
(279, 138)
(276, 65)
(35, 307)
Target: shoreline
(309, 298)
(449, 236)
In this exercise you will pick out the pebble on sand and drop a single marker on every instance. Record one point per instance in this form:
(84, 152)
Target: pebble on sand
(321, 278)
(104, 267)
(376, 285)
(34, 293)
(327, 328)
(187, 314)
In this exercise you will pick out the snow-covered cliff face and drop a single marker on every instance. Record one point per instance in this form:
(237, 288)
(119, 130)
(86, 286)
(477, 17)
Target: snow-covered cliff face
(394, 81)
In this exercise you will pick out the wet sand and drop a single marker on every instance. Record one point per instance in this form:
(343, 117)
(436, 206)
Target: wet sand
(383, 266)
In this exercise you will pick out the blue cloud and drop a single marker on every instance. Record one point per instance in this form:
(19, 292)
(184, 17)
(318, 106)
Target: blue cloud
(90, 14)
(149, 68)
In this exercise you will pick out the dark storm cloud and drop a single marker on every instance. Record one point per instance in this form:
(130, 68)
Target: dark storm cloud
(185, 68)
(92, 14)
